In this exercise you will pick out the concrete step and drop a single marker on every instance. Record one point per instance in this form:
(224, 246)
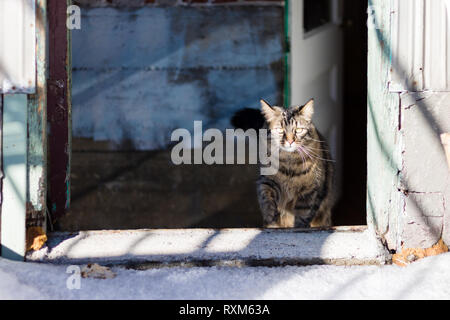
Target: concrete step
(208, 247)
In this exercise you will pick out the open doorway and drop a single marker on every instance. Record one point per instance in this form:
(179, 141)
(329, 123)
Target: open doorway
(140, 71)
(351, 207)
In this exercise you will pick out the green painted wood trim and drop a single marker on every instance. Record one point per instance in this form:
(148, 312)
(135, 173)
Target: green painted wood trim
(287, 56)
(37, 128)
(1, 168)
(25, 153)
(14, 150)
(383, 139)
(69, 111)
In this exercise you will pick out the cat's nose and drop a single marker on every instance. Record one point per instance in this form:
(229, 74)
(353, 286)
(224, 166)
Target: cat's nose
(289, 138)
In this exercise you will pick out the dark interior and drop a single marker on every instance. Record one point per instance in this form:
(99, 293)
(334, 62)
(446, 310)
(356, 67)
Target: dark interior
(351, 209)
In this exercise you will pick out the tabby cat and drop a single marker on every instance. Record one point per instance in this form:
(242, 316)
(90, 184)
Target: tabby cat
(300, 194)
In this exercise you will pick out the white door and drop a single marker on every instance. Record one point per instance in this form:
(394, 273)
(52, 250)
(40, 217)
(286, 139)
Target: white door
(316, 66)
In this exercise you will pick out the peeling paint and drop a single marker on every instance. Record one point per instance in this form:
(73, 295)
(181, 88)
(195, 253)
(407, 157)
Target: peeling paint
(37, 129)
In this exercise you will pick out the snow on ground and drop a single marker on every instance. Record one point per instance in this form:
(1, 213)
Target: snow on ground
(428, 278)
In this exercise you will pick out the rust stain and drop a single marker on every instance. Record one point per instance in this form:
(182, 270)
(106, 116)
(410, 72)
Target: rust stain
(35, 217)
(408, 255)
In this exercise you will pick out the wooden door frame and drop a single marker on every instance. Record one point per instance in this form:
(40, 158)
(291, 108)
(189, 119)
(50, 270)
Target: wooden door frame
(49, 122)
(24, 153)
(26, 214)
(59, 109)
(48, 135)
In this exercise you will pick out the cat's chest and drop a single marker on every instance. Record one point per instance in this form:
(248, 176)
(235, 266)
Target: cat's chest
(297, 179)
(290, 186)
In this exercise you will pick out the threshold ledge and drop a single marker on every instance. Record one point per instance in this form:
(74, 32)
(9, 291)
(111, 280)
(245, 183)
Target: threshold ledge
(153, 248)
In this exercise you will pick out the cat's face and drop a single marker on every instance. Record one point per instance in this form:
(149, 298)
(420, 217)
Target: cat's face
(289, 127)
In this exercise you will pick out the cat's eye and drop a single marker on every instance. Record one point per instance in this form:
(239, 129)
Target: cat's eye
(279, 130)
(300, 130)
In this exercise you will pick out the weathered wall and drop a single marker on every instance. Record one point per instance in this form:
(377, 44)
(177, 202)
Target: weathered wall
(140, 72)
(408, 177)
(425, 176)
(23, 125)
(419, 76)
(383, 197)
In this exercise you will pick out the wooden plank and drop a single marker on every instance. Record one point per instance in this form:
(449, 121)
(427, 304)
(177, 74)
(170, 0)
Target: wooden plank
(1, 168)
(419, 46)
(383, 139)
(14, 152)
(37, 129)
(17, 50)
(24, 152)
(59, 108)
(287, 55)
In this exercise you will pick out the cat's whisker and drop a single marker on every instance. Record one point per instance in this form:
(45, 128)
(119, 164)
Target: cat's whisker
(307, 153)
(311, 153)
(315, 139)
(317, 156)
(318, 149)
(301, 152)
(308, 146)
(303, 159)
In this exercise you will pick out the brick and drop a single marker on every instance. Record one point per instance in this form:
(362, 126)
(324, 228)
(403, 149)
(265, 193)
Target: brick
(424, 162)
(423, 220)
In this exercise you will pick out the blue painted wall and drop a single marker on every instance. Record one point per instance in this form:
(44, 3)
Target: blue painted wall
(140, 73)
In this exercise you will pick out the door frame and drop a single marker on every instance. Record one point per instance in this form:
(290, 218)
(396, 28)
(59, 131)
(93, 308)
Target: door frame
(24, 151)
(49, 111)
(45, 137)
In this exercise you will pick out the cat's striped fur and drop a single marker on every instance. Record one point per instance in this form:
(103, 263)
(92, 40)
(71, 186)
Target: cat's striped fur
(300, 194)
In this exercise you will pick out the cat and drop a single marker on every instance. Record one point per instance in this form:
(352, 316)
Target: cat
(300, 194)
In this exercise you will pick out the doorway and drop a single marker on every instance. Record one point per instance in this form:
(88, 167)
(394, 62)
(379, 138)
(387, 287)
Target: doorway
(141, 72)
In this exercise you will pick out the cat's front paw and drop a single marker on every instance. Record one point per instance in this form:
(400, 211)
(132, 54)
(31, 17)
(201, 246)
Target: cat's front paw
(272, 225)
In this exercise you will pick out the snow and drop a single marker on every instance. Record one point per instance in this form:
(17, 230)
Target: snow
(428, 278)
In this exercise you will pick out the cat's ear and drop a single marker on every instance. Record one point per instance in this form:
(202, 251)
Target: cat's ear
(308, 110)
(268, 111)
